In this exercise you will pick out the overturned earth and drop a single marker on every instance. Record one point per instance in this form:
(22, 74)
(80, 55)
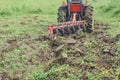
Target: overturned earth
(91, 56)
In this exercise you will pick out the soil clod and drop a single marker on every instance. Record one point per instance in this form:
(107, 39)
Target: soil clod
(59, 48)
(4, 76)
(69, 41)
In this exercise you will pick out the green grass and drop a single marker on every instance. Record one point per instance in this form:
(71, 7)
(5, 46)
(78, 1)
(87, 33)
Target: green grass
(107, 11)
(13, 12)
(14, 7)
(118, 46)
(41, 75)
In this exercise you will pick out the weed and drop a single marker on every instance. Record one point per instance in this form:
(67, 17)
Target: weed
(118, 46)
(41, 75)
(89, 58)
(109, 8)
(117, 12)
(36, 11)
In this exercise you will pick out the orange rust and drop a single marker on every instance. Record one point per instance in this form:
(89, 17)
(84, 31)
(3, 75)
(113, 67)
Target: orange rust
(51, 29)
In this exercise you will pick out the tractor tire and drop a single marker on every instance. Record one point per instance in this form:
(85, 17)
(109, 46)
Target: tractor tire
(88, 17)
(62, 14)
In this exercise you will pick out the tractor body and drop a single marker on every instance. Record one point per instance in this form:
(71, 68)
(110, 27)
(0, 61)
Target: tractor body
(73, 15)
(74, 6)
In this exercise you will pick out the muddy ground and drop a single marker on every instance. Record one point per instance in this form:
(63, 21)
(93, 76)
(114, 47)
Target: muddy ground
(94, 53)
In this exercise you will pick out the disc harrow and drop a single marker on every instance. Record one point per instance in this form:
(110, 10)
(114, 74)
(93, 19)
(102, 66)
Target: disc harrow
(65, 28)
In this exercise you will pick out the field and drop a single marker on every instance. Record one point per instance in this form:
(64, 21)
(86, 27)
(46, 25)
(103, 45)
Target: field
(26, 52)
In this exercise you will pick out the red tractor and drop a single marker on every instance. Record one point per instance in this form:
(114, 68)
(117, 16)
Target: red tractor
(71, 16)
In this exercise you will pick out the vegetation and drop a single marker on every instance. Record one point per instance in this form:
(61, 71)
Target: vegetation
(41, 75)
(23, 21)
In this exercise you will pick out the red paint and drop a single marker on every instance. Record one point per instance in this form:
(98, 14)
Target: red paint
(75, 7)
(51, 30)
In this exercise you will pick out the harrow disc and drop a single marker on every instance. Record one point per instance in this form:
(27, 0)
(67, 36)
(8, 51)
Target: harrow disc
(66, 28)
(76, 27)
(72, 29)
(67, 31)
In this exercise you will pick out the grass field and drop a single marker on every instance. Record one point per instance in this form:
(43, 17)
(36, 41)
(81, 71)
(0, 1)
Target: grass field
(23, 21)
(106, 11)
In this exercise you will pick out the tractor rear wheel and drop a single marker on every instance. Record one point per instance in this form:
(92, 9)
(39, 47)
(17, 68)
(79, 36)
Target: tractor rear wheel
(88, 17)
(62, 14)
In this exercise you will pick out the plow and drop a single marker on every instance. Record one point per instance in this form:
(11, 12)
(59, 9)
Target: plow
(73, 15)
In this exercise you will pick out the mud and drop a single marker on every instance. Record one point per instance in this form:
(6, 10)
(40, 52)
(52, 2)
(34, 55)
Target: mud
(4, 76)
(1, 56)
(9, 47)
(100, 43)
(97, 48)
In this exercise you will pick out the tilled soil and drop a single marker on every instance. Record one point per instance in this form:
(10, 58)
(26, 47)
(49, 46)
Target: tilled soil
(97, 51)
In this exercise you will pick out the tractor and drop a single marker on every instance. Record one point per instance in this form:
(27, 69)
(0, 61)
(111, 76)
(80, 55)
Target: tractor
(73, 14)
